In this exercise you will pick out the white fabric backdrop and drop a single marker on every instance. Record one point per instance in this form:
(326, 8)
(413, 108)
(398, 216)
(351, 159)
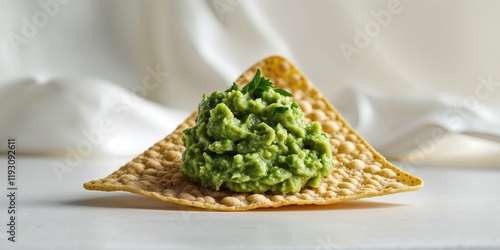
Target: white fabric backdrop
(419, 79)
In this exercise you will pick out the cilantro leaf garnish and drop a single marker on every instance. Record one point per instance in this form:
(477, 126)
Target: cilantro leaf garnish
(234, 87)
(280, 110)
(283, 92)
(260, 84)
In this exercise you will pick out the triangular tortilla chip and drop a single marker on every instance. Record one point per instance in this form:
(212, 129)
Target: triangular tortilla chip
(359, 171)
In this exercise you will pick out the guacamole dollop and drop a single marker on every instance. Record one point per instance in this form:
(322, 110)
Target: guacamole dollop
(255, 140)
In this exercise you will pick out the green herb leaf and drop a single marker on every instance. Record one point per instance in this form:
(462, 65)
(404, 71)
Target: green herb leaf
(252, 86)
(258, 93)
(295, 105)
(280, 110)
(234, 87)
(260, 84)
(245, 88)
(256, 80)
(283, 92)
(265, 84)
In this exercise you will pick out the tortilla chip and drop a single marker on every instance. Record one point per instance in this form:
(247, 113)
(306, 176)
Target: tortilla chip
(359, 170)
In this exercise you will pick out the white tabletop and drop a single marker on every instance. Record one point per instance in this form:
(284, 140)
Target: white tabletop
(458, 208)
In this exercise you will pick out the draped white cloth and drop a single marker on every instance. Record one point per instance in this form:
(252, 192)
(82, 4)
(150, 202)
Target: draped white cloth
(419, 79)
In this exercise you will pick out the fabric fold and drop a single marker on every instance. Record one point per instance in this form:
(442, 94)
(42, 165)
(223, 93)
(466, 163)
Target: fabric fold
(89, 116)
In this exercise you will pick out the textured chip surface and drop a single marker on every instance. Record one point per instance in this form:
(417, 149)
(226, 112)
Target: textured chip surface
(359, 171)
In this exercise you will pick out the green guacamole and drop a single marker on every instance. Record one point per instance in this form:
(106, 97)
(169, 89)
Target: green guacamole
(254, 140)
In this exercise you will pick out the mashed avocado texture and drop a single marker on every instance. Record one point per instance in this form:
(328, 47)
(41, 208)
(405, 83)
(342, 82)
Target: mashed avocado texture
(254, 140)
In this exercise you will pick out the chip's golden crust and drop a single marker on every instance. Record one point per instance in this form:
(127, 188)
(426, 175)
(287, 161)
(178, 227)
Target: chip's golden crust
(359, 171)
